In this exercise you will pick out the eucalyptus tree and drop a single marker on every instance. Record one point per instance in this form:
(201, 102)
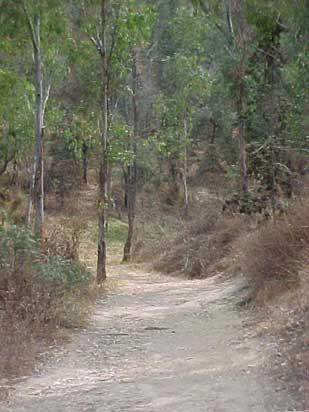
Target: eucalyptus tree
(33, 20)
(278, 29)
(99, 21)
(39, 24)
(43, 21)
(16, 130)
(16, 100)
(114, 30)
(260, 36)
(187, 79)
(139, 26)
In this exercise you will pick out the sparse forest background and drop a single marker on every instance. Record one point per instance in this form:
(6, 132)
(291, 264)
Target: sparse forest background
(174, 131)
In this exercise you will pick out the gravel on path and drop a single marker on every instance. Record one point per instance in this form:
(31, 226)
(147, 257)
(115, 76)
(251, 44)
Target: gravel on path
(160, 344)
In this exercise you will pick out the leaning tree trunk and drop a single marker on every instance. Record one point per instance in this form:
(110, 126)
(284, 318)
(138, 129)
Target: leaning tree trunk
(131, 174)
(103, 176)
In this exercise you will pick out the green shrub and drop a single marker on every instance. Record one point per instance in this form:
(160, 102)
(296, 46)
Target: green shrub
(17, 244)
(64, 272)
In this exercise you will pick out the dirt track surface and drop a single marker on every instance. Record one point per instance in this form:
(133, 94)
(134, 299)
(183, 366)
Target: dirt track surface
(160, 344)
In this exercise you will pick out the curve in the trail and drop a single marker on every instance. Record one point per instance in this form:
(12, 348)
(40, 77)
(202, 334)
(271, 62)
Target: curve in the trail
(159, 344)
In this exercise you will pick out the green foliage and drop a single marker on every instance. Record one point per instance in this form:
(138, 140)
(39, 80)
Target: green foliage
(81, 130)
(16, 111)
(19, 248)
(17, 244)
(64, 273)
(117, 231)
(120, 136)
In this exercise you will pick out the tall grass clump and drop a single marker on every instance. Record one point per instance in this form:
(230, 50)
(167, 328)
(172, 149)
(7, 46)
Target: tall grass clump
(200, 245)
(274, 255)
(39, 295)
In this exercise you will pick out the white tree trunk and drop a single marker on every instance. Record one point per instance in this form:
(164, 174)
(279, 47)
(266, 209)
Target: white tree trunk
(39, 172)
(36, 196)
(185, 166)
(103, 178)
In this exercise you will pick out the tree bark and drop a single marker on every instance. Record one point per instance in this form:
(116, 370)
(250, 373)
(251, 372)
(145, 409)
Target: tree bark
(241, 45)
(85, 151)
(173, 173)
(185, 167)
(103, 176)
(31, 191)
(272, 105)
(131, 191)
(229, 18)
(214, 131)
(131, 174)
(36, 195)
(243, 157)
(39, 177)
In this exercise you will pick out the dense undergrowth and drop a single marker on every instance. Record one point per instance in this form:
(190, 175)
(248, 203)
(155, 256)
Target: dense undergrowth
(41, 295)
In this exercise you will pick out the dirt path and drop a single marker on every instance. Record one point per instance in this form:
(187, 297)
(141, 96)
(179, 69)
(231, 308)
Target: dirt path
(160, 344)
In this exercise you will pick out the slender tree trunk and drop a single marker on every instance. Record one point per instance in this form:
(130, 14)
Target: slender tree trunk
(243, 172)
(7, 158)
(241, 47)
(85, 151)
(103, 176)
(38, 194)
(131, 175)
(125, 180)
(243, 157)
(214, 131)
(109, 194)
(131, 191)
(173, 172)
(31, 191)
(185, 167)
(272, 105)
(229, 18)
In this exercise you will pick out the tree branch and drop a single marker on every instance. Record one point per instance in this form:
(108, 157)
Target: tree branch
(30, 26)
(206, 11)
(114, 38)
(284, 167)
(47, 93)
(96, 41)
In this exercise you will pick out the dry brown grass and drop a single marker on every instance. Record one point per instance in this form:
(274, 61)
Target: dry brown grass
(36, 307)
(202, 245)
(275, 258)
(39, 310)
(27, 312)
(273, 255)
(35, 313)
